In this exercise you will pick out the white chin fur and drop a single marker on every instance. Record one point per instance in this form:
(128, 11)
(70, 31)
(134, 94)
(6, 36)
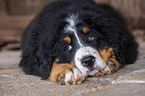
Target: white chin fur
(85, 51)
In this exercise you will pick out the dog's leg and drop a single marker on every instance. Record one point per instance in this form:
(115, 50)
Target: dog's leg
(112, 64)
(65, 74)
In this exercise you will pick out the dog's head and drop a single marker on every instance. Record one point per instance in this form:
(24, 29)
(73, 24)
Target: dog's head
(75, 38)
(79, 43)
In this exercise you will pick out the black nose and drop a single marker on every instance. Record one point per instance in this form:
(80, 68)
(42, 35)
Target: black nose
(88, 61)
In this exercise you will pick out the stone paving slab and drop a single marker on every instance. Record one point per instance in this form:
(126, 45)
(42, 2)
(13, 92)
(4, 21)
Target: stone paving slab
(130, 80)
(120, 90)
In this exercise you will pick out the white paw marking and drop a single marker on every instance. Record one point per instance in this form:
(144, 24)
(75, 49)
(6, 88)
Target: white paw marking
(75, 76)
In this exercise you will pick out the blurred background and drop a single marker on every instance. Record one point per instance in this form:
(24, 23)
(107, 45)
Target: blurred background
(15, 15)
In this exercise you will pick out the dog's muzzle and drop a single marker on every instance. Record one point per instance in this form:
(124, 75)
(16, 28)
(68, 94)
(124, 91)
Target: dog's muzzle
(88, 60)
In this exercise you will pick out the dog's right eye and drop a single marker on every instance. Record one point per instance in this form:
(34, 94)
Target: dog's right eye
(68, 47)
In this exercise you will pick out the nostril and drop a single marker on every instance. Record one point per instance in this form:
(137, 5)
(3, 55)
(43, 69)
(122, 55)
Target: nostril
(93, 60)
(88, 61)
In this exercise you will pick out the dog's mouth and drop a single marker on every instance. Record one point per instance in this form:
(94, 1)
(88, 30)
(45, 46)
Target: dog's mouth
(88, 61)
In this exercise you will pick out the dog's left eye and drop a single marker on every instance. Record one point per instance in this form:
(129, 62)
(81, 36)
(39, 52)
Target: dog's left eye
(68, 47)
(91, 38)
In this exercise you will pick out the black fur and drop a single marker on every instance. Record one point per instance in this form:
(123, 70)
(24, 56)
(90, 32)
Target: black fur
(41, 41)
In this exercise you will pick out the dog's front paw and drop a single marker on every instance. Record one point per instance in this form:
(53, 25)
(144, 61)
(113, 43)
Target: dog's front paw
(71, 77)
(64, 74)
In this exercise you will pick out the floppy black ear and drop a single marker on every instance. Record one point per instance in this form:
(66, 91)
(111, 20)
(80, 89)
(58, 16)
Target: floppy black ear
(37, 56)
(120, 39)
(38, 46)
(46, 55)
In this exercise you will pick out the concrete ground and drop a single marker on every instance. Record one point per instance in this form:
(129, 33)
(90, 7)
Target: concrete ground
(128, 81)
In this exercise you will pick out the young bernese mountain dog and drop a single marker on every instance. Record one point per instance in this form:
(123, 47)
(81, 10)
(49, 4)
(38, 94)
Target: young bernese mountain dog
(72, 39)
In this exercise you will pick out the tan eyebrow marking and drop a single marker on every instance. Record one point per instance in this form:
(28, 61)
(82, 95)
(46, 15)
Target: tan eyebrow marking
(85, 30)
(67, 39)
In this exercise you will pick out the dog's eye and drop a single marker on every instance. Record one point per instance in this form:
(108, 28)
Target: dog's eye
(68, 47)
(91, 38)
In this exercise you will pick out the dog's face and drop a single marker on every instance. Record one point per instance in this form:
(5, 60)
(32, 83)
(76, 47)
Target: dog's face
(79, 44)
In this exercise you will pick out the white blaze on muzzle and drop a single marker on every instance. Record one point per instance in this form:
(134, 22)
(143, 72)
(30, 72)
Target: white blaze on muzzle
(88, 51)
